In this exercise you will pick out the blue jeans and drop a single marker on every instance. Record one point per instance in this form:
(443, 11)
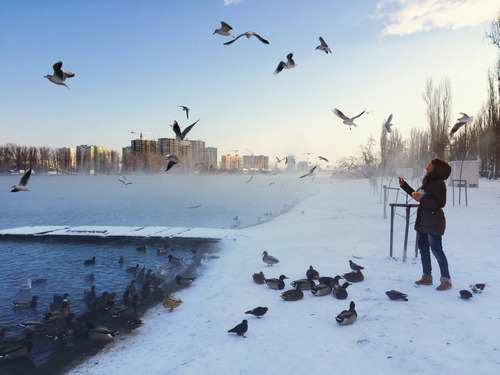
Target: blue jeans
(432, 242)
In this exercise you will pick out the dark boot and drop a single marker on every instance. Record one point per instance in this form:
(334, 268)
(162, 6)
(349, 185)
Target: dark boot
(425, 280)
(445, 283)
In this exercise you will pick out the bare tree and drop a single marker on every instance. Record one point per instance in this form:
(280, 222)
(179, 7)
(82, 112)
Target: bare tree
(494, 33)
(439, 102)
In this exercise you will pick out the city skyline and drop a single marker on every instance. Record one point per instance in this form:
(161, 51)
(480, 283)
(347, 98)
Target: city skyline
(139, 62)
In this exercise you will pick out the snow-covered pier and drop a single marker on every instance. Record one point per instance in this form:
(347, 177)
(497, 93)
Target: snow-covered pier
(114, 233)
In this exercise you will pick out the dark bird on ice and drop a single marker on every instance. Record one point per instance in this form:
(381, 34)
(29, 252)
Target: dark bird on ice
(22, 184)
(305, 284)
(346, 120)
(395, 295)
(355, 267)
(248, 34)
(183, 281)
(293, 294)
(59, 76)
(465, 119)
(323, 46)
(259, 278)
(340, 291)
(19, 349)
(224, 29)
(347, 317)
(465, 294)
(354, 277)
(240, 329)
(181, 135)
(289, 64)
(311, 272)
(186, 109)
(258, 311)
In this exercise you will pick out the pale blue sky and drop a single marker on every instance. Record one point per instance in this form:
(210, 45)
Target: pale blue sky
(136, 61)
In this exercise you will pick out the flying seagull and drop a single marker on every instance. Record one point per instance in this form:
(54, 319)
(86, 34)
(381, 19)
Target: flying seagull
(224, 30)
(59, 75)
(309, 173)
(387, 125)
(22, 183)
(346, 120)
(465, 119)
(248, 34)
(185, 109)
(289, 64)
(124, 182)
(180, 136)
(172, 160)
(250, 179)
(323, 158)
(323, 46)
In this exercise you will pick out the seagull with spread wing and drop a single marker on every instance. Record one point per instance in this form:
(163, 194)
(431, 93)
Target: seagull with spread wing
(172, 160)
(186, 109)
(181, 135)
(289, 64)
(224, 30)
(346, 120)
(248, 34)
(59, 75)
(465, 119)
(323, 158)
(323, 46)
(310, 173)
(22, 184)
(387, 125)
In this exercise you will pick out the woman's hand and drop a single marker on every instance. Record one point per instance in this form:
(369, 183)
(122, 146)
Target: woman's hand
(401, 181)
(416, 196)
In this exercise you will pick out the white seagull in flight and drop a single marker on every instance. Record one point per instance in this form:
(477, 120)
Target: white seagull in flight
(224, 30)
(309, 173)
(465, 119)
(184, 108)
(181, 135)
(248, 34)
(289, 64)
(387, 125)
(346, 120)
(172, 160)
(323, 46)
(59, 75)
(22, 183)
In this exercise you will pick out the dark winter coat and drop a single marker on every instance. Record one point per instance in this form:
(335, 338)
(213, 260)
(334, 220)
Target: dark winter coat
(430, 216)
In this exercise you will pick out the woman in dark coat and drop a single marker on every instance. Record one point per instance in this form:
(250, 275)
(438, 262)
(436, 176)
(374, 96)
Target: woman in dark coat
(430, 223)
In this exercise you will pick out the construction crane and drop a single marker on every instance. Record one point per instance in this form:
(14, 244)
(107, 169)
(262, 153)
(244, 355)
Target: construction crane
(235, 152)
(141, 133)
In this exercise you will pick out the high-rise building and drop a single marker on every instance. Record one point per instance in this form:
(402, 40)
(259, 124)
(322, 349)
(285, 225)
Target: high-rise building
(211, 158)
(92, 159)
(258, 162)
(144, 146)
(231, 162)
(67, 158)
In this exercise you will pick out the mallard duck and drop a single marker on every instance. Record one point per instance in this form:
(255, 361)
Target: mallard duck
(141, 248)
(20, 349)
(313, 273)
(355, 267)
(269, 259)
(134, 269)
(129, 325)
(31, 304)
(60, 299)
(321, 289)
(354, 276)
(305, 284)
(259, 278)
(240, 329)
(100, 333)
(347, 317)
(340, 292)
(395, 295)
(121, 259)
(330, 280)
(89, 262)
(131, 289)
(171, 303)
(174, 260)
(127, 312)
(7, 342)
(183, 282)
(258, 311)
(477, 288)
(276, 283)
(293, 294)
(161, 250)
(60, 333)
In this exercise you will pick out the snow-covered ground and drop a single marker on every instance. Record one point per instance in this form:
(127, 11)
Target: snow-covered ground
(433, 333)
